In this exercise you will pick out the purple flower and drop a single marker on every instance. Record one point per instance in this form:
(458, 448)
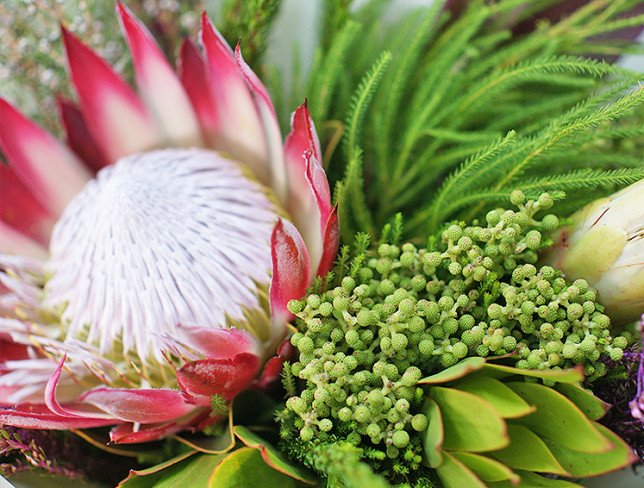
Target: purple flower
(637, 404)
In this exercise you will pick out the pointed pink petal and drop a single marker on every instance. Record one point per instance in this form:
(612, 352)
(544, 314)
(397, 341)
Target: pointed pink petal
(219, 343)
(272, 134)
(20, 210)
(116, 117)
(37, 416)
(67, 411)
(291, 269)
(239, 130)
(125, 433)
(47, 167)
(226, 377)
(303, 136)
(79, 137)
(309, 193)
(194, 80)
(273, 368)
(158, 84)
(15, 242)
(319, 185)
(139, 405)
(331, 243)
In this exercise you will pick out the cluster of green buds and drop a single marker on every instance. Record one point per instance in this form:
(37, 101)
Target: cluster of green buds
(402, 313)
(359, 366)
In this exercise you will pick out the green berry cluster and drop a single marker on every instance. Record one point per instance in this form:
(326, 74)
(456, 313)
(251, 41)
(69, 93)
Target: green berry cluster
(401, 313)
(360, 370)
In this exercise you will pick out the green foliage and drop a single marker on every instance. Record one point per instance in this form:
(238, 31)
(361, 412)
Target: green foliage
(401, 312)
(490, 423)
(469, 109)
(249, 22)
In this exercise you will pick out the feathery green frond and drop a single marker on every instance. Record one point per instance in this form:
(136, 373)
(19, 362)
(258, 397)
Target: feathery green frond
(429, 141)
(465, 177)
(360, 102)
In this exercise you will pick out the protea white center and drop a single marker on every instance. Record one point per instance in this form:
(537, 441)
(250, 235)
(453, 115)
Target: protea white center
(162, 238)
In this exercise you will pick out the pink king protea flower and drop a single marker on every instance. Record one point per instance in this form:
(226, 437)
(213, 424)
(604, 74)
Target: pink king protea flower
(138, 257)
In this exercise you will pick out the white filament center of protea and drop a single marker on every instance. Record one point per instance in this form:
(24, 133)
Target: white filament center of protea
(159, 239)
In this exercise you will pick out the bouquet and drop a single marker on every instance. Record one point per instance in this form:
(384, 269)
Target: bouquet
(419, 264)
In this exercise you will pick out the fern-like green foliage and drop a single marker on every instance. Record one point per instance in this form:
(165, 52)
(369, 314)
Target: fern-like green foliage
(249, 20)
(442, 116)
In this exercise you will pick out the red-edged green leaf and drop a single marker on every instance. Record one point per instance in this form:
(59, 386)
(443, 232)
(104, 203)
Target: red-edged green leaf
(189, 469)
(455, 372)
(593, 407)
(208, 445)
(486, 468)
(246, 468)
(503, 399)
(454, 474)
(528, 451)
(583, 464)
(574, 375)
(559, 419)
(532, 480)
(470, 423)
(274, 458)
(434, 435)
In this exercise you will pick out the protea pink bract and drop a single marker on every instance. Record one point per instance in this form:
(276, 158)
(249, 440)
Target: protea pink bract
(150, 259)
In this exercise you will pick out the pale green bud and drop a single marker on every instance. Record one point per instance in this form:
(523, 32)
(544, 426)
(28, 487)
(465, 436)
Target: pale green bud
(605, 246)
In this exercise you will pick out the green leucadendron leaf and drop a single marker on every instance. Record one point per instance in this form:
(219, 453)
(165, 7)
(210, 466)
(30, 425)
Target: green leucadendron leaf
(273, 457)
(557, 417)
(470, 423)
(454, 474)
(593, 407)
(459, 370)
(528, 451)
(189, 469)
(503, 399)
(245, 467)
(532, 480)
(583, 464)
(486, 468)
(574, 375)
(434, 435)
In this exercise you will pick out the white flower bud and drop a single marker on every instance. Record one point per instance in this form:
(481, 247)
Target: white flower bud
(605, 245)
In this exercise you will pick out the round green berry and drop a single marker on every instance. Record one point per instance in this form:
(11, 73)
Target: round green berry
(453, 233)
(373, 431)
(307, 434)
(550, 222)
(361, 414)
(313, 301)
(616, 353)
(459, 350)
(325, 425)
(400, 439)
(295, 306)
(517, 198)
(419, 422)
(348, 283)
(305, 345)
